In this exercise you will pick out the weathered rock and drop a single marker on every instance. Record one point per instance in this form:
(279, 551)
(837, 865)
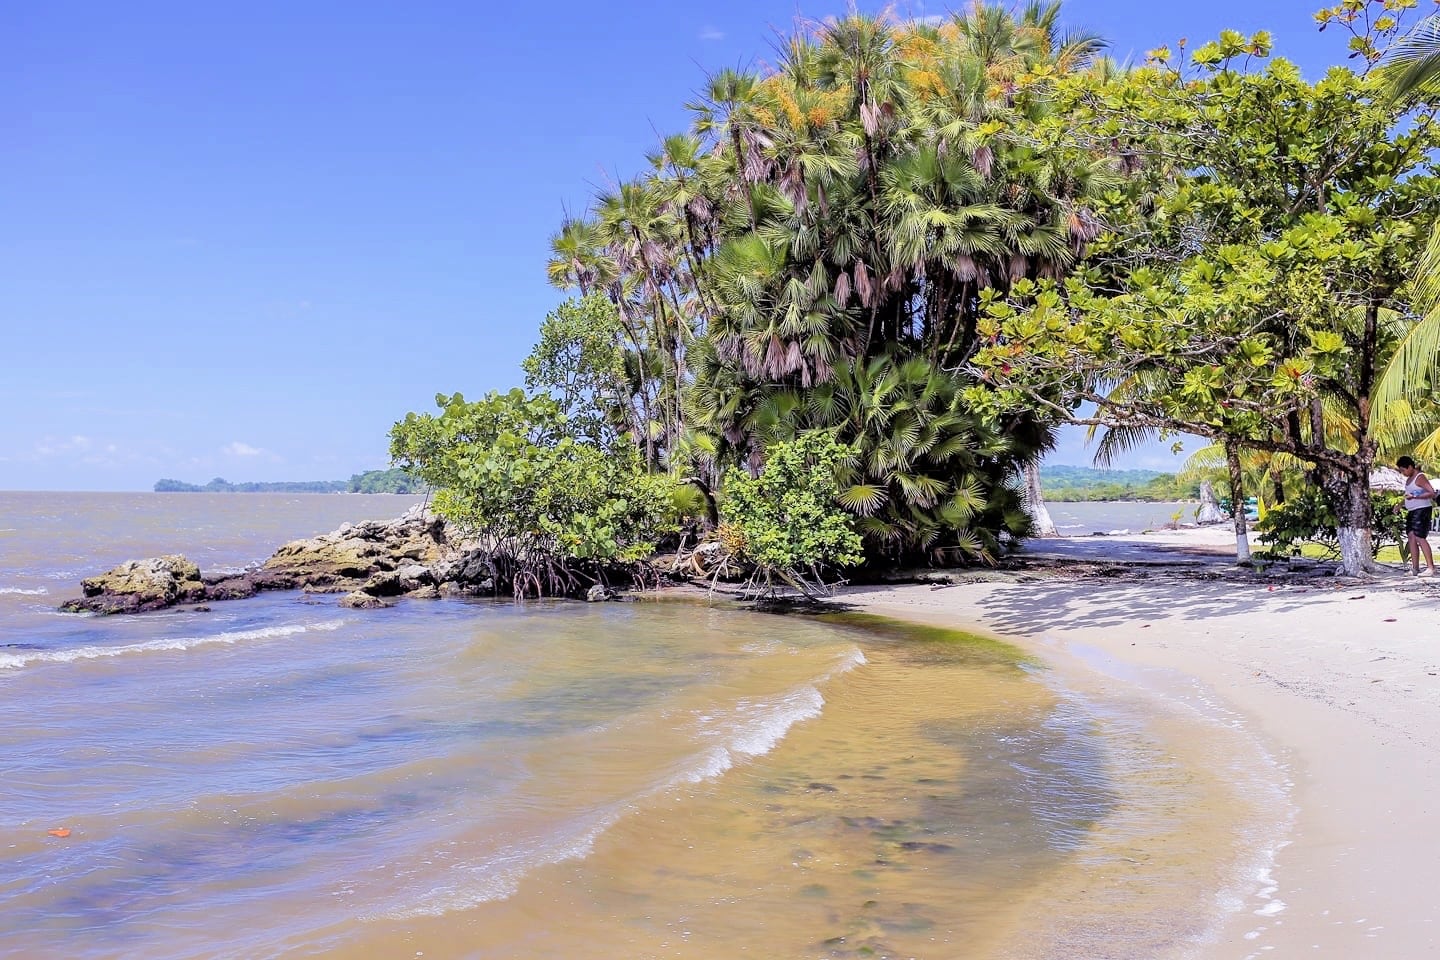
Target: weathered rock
(339, 586)
(415, 572)
(412, 555)
(140, 585)
(358, 551)
(105, 604)
(465, 566)
(360, 600)
(231, 588)
(388, 585)
(451, 588)
(241, 585)
(427, 592)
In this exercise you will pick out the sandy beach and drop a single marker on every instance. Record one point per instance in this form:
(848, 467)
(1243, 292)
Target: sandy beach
(1338, 680)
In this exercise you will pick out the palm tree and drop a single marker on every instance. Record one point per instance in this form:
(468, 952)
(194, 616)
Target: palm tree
(1412, 67)
(577, 258)
(1407, 415)
(814, 251)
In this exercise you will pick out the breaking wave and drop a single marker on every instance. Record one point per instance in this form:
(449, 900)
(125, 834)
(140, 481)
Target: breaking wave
(15, 661)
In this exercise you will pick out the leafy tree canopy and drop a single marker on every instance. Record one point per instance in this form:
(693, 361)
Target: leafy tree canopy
(221, 485)
(580, 362)
(385, 481)
(1254, 276)
(506, 470)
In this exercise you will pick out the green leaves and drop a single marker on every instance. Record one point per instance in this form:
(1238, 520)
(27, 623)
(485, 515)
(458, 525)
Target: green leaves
(580, 363)
(505, 468)
(787, 519)
(1271, 212)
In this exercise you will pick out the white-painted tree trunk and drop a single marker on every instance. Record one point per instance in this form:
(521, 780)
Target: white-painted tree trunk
(1237, 504)
(1035, 504)
(1349, 496)
(1357, 557)
(1209, 511)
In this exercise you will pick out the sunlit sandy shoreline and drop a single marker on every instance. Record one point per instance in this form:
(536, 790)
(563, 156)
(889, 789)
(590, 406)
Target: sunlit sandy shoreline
(1341, 680)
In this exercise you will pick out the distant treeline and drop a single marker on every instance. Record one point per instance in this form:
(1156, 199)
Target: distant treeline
(371, 481)
(1088, 483)
(386, 481)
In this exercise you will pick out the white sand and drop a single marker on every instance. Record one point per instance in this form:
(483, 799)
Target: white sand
(1341, 681)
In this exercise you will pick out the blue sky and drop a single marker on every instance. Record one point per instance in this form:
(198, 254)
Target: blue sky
(241, 240)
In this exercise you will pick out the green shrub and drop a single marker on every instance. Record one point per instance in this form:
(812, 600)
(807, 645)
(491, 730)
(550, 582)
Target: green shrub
(787, 521)
(552, 510)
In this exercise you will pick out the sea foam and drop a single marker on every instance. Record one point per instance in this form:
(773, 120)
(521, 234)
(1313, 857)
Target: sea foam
(14, 661)
(498, 877)
(24, 591)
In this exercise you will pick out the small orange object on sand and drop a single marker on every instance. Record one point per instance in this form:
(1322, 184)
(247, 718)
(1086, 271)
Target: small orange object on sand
(59, 832)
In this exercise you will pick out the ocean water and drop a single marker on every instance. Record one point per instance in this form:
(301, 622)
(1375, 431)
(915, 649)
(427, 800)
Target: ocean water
(1080, 519)
(280, 777)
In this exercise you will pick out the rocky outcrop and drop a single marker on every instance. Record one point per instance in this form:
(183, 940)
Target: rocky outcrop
(416, 555)
(406, 547)
(140, 585)
(360, 600)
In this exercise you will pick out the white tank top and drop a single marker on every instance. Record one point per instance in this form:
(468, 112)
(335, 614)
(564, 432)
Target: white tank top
(1413, 500)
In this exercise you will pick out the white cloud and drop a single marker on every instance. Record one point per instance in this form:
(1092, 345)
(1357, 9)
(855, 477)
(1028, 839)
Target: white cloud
(78, 448)
(238, 449)
(710, 33)
(52, 447)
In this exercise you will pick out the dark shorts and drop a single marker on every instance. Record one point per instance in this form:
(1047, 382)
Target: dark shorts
(1418, 521)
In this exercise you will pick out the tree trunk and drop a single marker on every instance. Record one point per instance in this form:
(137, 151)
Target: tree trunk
(1210, 511)
(1348, 493)
(1237, 504)
(712, 509)
(1035, 503)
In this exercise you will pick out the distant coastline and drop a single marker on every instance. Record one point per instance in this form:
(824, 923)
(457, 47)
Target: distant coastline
(371, 481)
(1067, 484)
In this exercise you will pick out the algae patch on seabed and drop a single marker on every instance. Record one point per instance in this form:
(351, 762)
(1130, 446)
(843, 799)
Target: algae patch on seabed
(972, 648)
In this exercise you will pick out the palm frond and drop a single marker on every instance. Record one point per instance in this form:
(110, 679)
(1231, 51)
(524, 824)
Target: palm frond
(863, 498)
(1117, 441)
(1413, 66)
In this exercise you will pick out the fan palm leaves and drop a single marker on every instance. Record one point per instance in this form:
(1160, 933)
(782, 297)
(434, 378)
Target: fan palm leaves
(929, 479)
(577, 258)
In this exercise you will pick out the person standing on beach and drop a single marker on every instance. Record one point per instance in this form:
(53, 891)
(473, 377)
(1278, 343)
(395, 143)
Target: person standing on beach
(1419, 509)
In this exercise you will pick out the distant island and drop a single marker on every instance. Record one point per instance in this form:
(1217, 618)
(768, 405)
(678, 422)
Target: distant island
(1058, 483)
(1062, 483)
(371, 481)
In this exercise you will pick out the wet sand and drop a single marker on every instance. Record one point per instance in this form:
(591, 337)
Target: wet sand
(1337, 680)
